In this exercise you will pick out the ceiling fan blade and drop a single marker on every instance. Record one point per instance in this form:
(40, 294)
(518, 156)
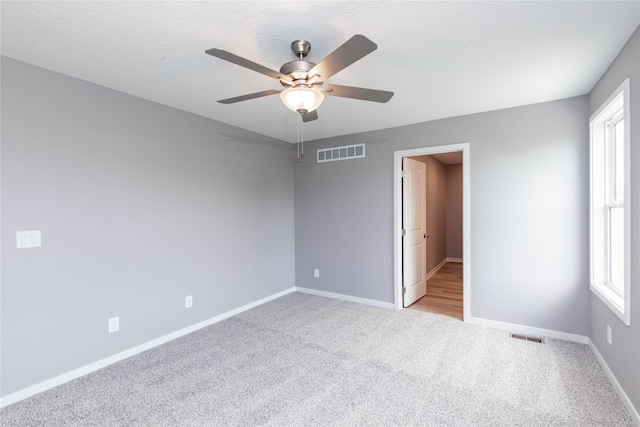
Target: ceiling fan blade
(250, 96)
(357, 93)
(310, 116)
(352, 50)
(238, 60)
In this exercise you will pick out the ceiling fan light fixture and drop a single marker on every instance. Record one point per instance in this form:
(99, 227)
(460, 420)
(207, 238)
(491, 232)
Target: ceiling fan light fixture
(301, 99)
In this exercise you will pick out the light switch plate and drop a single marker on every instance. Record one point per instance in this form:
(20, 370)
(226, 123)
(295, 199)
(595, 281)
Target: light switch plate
(28, 239)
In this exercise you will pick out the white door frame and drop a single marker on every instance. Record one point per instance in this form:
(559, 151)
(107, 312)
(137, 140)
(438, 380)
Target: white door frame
(466, 219)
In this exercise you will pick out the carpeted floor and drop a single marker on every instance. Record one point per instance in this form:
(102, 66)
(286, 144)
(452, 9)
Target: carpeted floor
(304, 360)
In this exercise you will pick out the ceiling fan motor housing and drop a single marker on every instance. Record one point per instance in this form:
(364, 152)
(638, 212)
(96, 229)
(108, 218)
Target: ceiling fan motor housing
(297, 70)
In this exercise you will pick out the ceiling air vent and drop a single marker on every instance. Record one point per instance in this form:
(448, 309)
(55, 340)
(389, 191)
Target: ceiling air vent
(341, 153)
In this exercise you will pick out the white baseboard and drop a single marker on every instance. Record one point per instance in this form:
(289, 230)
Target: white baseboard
(436, 268)
(443, 262)
(346, 298)
(87, 369)
(616, 385)
(528, 330)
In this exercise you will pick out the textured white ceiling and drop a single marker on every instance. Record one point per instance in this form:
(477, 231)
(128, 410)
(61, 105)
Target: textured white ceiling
(441, 59)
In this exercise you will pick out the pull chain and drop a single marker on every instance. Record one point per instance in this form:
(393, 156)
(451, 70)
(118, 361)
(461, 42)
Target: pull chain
(300, 137)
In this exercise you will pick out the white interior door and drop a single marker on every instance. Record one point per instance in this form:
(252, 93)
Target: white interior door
(414, 244)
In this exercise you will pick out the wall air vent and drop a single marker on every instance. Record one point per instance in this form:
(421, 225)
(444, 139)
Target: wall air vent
(341, 153)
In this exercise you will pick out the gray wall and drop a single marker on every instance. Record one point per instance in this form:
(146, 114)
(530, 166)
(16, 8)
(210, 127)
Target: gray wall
(139, 206)
(529, 216)
(623, 357)
(454, 211)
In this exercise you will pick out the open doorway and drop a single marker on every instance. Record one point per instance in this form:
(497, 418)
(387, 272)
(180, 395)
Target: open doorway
(441, 266)
(442, 193)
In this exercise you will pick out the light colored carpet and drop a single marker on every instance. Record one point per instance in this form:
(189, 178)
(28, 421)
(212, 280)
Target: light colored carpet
(304, 360)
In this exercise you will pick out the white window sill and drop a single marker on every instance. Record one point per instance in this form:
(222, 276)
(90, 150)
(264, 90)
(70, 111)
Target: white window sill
(612, 300)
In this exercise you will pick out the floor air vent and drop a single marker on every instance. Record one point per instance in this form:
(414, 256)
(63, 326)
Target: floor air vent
(527, 338)
(341, 153)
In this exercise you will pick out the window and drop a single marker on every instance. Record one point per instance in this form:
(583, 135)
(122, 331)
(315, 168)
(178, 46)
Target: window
(609, 200)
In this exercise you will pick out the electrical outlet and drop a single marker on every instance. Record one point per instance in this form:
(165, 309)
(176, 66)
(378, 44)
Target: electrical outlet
(28, 239)
(609, 334)
(188, 301)
(114, 324)
(316, 272)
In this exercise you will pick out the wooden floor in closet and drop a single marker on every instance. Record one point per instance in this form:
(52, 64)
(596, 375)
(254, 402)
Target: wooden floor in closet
(444, 292)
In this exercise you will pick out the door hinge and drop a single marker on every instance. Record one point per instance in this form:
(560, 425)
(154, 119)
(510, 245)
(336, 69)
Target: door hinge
(401, 174)
(404, 232)
(404, 290)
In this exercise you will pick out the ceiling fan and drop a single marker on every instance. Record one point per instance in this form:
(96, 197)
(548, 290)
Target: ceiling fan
(303, 81)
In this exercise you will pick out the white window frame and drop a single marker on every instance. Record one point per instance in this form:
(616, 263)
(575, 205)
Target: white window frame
(601, 202)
